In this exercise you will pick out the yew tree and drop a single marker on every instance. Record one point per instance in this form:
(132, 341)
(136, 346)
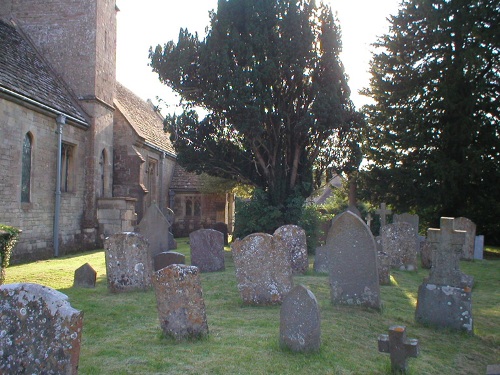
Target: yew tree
(274, 96)
(434, 140)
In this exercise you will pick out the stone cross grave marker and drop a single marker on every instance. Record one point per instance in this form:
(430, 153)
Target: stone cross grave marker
(300, 329)
(85, 276)
(207, 250)
(462, 223)
(444, 299)
(293, 238)
(352, 262)
(399, 241)
(40, 333)
(128, 264)
(167, 258)
(399, 347)
(263, 269)
(180, 303)
(383, 212)
(369, 219)
(155, 227)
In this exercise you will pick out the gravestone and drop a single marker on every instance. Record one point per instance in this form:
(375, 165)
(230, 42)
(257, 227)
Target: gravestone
(128, 264)
(294, 240)
(40, 332)
(399, 241)
(462, 223)
(155, 227)
(263, 269)
(426, 250)
(300, 329)
(406, 217)
(180, 303)
(352, 262)
(354, 210)
(321, 260)
(383, 211)
(399, 347)
(444, 299)
(222, 227)
(85, 276)
(479, 247)
(384, 268)
(167, 258)
(207, 250)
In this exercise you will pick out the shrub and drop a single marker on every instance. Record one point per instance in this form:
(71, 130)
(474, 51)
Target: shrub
(8, 239)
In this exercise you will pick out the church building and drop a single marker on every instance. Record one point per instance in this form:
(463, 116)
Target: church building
(74, 141)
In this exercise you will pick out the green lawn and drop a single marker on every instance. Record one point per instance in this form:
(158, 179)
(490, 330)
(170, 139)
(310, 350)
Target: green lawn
(122, 335)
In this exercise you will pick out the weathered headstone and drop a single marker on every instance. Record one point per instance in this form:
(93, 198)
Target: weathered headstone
(167, 258)
(300, 329)
(426, 250)
(399, 347)
(40, 333)
(407, 218)
(321, 259)
(85, 276)
(383, 211)
(479, 247)
(207, 250)
(294, 240)
(222, 227)
(399, 241)
(179, 298)
(155, 227)
(352, 262)
(354, 210)
(384, 268)
(462, 223)
(444, 299)
(128, 264)
(263, 269)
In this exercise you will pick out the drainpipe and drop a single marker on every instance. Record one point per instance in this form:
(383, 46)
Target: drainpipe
(60, 121)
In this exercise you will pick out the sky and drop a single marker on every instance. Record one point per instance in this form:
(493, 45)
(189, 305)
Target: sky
(146, 23)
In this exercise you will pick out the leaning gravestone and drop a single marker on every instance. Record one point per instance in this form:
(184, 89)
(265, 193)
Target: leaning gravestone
(128, 264)
(399, 241)
(462, 223)
(263, 269)
(180, 303)
(294, 239)
(444, 300)
(40, 332)
(207, 250)
(352, 262)
(167, 258)
(155, 227)
(85, 276)
(300, 329)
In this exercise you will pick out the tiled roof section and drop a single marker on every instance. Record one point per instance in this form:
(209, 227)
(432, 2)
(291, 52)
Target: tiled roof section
(142, 117)
(185, 181)
(24, 72)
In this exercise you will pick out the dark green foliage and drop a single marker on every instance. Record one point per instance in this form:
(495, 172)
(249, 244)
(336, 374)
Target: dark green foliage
(434, 128)
(269, 76)
(8, 239)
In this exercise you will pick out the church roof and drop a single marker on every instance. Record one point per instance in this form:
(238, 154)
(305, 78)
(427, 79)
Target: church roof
(185, 181)
(24, 75)
(143, 118)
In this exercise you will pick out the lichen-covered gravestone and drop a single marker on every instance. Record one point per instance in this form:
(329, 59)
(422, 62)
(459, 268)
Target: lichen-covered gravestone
(207, 250)
(167, 258)
(444, 299)
(399, 241)
(179, 298)
(40, 333)
(462, 223)
(263, 269)
(85, 276)
(352, 260)
(300, 329)
(128, 264)
(294, 239)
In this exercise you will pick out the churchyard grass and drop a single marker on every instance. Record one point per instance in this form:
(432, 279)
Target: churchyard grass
(121, 332)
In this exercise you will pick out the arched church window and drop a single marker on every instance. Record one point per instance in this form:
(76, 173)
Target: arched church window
(26, 168)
